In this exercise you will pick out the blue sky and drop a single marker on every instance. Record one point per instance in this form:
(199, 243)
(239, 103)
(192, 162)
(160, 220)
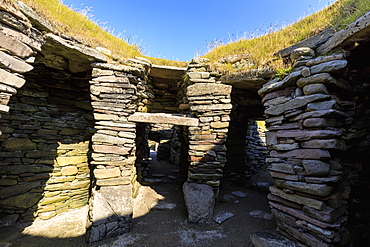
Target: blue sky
(181, 29)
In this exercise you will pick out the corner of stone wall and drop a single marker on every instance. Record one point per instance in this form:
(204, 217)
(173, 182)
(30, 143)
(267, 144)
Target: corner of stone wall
(304, 117)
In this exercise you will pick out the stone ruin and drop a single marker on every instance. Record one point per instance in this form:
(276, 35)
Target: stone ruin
(74, 130)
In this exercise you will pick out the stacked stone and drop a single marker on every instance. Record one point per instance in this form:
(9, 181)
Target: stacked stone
(256, 149)
(303, 119)
(19, 42)
(115, 93)
(210, 102)
(43, 153)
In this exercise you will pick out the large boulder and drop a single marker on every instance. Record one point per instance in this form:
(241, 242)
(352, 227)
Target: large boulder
(199, 200)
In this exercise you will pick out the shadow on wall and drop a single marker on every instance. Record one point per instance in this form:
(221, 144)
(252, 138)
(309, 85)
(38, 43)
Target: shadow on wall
(246, 148)
(44, 148)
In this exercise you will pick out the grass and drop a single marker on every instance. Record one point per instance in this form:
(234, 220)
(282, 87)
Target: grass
(262, 49)
(79, 26)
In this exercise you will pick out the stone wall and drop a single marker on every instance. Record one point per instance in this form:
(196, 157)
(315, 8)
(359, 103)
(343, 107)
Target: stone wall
(304, 114)
(209, 101)
(255, 148)
(115, 93)
(44, 152)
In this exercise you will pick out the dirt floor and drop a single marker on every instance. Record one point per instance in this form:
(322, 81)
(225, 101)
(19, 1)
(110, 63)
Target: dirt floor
(160, 219)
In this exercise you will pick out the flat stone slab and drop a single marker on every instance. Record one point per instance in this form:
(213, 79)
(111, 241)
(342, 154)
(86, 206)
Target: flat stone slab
(269, 238)
(222, 217)
(163, 118)
(347, 37)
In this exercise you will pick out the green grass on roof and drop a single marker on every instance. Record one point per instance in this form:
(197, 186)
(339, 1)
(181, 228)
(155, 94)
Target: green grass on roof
(77, 25)
(261, 49)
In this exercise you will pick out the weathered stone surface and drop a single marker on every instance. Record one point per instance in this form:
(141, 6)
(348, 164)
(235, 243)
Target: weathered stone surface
(163, 119)
(219, 125)
(302, 51)
(270, 238)
(297, 199)
(275, 84)
(107, 173)
(68, 185)
(331, 113)
(14, 64)
(323, 78)
(19, 169)
(114, 181)
(112, 212)
(111, 149)
(316, 167)
(281, 167)
(69, 170)
(72, 51)
(23, 201)
(199, 89)
(18, 144)
(7, 182)
(223, 217)
(324, 59)
(303, 135)
(73, 160)
(199, 200)
(325, 144)
(294, 104)
(347, 37)
(211, 107)
(316, 88)
(285, 147)
(319, 106)
(311, 42)
(302, 154)
(17, 189)
(326, 215)
(334, 66)
(35, 41)
(313, 189)
(51, 200)
(36, 20)
(110, 139)
(14, 46)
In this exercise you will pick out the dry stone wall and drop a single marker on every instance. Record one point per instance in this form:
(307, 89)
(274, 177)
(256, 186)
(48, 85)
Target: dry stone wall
(115, 93)
(304, 116)
(210, 101)
(44, 152)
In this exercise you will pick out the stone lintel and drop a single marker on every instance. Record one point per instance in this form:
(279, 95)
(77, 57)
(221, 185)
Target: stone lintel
(163, 118)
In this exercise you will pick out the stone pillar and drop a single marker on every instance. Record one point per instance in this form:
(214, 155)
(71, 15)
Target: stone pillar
(210, 102)
(114, 90)
(304, 117)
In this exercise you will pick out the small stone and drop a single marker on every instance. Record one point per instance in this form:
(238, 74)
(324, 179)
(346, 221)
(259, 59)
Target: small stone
(69, 170)
(222, 217)
(163, 206)
(316, 88)
(107, 173)
(239, 194)
(306, 72)
(226, 198)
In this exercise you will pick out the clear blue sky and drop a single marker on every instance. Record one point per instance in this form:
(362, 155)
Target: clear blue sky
(181, 29)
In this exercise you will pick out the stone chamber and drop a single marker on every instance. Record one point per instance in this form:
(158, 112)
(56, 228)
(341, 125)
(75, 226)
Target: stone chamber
(75, 128)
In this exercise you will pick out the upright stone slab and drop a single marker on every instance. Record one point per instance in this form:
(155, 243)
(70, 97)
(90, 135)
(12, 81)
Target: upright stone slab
(199, 201)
